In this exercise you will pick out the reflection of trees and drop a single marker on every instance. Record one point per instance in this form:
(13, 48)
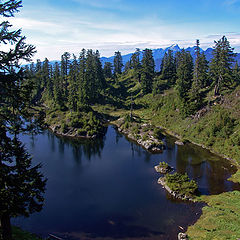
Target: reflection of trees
(80, 147)
(206, 168)
(118, 136)
(51, 139)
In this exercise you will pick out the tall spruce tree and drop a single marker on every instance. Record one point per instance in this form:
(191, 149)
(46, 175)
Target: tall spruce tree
(117, 63)
(147, 73)
(199, 79)
(57, 86)
(168, 68)
(82, 82)
(221, 66)
(65, 63)
(183, 85)
(107, 70)
(21, 185)
(73, 84)
(136, 64)
(184, 73)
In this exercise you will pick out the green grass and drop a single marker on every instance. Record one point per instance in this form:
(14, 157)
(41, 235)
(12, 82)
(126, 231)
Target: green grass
(218, 128)
(220, 219)
(19, 234)
(236, 177)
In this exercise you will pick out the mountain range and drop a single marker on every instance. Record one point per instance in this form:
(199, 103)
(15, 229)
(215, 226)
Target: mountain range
(158, 55)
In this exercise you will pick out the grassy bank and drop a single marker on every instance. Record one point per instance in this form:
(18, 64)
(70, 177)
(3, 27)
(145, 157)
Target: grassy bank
(220, 220)
(19, 234)
(216, 127)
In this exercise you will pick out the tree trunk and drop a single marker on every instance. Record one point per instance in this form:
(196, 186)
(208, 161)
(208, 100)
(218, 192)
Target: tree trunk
(6, 227)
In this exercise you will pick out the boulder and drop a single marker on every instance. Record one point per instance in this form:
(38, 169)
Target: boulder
(179, 142)
(182, 236)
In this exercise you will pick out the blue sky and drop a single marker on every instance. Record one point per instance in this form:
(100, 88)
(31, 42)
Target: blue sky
(56, 26)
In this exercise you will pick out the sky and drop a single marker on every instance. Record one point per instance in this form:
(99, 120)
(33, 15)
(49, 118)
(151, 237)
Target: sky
(57, 26)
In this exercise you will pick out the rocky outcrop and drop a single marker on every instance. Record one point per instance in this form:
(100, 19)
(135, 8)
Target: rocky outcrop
(163, 169)
(162, 181)
(70, 132)
(182, 236)
(180, 143)
(151, 144)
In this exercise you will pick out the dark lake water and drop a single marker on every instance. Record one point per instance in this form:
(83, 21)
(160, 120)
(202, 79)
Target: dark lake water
(107, 189)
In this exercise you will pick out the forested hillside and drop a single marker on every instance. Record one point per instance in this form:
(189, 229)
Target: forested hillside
(196, 99)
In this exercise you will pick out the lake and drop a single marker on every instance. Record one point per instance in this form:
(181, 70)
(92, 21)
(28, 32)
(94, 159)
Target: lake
(107, 189)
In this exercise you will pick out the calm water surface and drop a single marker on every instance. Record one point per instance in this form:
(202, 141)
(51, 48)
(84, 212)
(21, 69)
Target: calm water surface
(107, 189)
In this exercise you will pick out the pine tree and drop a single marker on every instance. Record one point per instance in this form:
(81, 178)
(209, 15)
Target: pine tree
(82, 82)
(236, 74)
(136, 64)
(21, 185)
(184, 73)
(147, 73)
(107, 70)
(65, 63)
(57, 86)
(47, 80)
(100, 81)
(73, 84)
(117, 63)
(199, 79)
(221, 66)
(168, 68)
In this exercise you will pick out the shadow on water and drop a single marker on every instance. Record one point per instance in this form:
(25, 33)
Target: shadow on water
(107, 188)
(209, 170)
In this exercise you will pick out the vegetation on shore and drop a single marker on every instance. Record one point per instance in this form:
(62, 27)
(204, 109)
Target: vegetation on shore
(181, 185)
(196, 100)
(220, 218)
(19, 234)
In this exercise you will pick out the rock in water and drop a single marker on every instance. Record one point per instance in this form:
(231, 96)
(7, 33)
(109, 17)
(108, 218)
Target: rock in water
(182, 236)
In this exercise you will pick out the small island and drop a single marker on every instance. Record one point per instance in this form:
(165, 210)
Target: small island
(163, 168)
(146, 135)
(179, 186)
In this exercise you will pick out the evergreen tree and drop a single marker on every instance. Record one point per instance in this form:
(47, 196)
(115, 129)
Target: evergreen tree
(117, 63)
(100, 82)
(57, 86)
(127, 67)
(21, 185)
(199, 79)
(136, 64)
(65, 63)
(73, 84)
(236, 73)
(82, 82)
(184, 73)
(47, 80)
(107, 70)
(221, 66)
(168, 68)
(147, 73)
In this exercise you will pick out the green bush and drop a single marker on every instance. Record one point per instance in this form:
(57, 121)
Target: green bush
(181, 184)
(163, 165)
(145, 137)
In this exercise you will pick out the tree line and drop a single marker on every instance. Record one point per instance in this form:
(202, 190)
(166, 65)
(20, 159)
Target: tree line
(78, 81)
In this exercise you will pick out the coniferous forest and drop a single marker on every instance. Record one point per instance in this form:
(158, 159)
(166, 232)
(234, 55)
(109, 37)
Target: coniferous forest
(190, 98)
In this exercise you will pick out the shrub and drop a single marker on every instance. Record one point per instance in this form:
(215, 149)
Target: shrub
(181, 184)
(163, 165)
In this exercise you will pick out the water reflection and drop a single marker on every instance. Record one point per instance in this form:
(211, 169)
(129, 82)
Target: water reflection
(209, 170)
(108, 188)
